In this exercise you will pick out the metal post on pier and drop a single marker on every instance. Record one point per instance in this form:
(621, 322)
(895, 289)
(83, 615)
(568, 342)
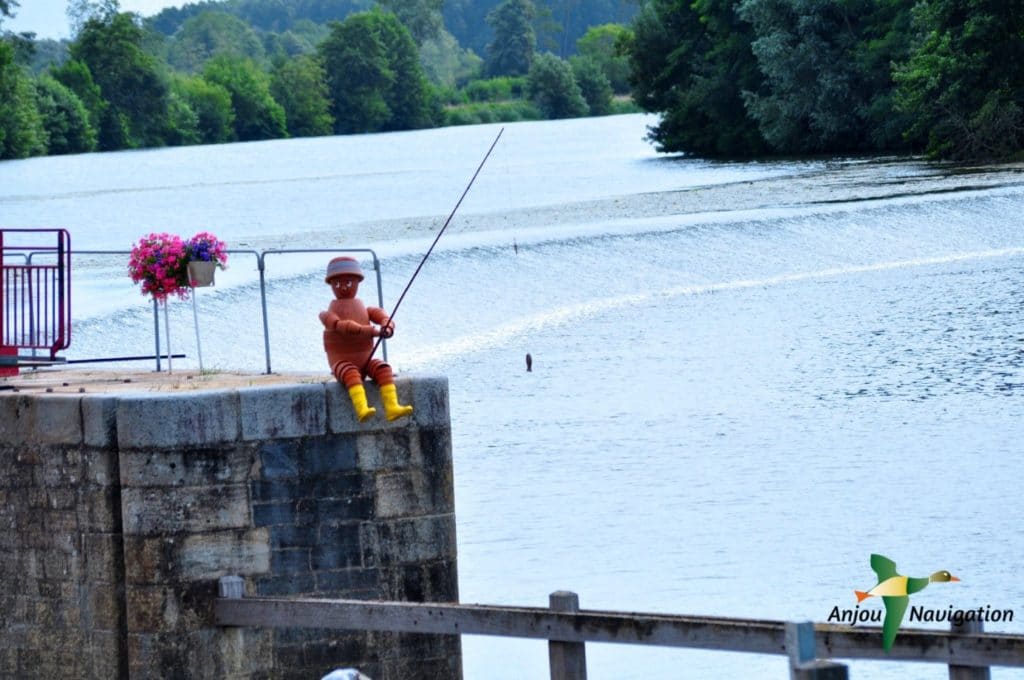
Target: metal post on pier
(968, 672)
(568, 660)
(803, 664)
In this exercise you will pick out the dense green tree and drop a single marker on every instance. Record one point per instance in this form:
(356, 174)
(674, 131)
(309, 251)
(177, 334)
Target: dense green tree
(128, 79)
(21, 127)
(422, 17)
(557, 24)
(690, 62)
(571, 19)
(446, 62)
(300, 86)
(268, 15)
(816, 97)
(257, 114)
(374, 76)
(511, 51)
(209, 34)
(211, 103)
(888, 39)
(964, 85)
(409, 98)
(325, 11)
(64, 117)
(46, 54)
(7, 8)
(302, 38)
(358, 75)
(81, 11)
(75, 75)
(594, 85)
(182, 122)
(551, 86)
(600, 44)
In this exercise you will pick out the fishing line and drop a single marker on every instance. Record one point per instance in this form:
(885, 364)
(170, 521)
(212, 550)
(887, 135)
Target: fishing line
(440, 233)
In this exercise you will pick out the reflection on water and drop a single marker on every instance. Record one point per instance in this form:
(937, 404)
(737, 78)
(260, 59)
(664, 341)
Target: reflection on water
(727, 413)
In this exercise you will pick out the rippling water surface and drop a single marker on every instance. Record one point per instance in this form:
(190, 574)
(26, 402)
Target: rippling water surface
(728, 411)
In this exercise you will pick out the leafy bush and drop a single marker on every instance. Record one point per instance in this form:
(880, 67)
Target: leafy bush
(492, 112)
(594, 85)
(553, 88)
(496, 89)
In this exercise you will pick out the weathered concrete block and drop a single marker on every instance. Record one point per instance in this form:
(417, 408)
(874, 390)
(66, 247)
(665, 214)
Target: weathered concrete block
(113, 537)
(186, 467)
(147, 421)
(168, 510)
(205, 557)
(339, 547)
(401, 494)
(283, 411)
(104, 559)
(408, 541)
(99, 420)
(393, 450)
(429, 395)
(101, 468)
(307, 457)
(349, 583)
(27, 420)
(340, 417)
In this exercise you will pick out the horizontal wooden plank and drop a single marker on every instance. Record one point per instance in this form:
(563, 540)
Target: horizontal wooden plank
(695, 632)
(764, 637)
(915, 644)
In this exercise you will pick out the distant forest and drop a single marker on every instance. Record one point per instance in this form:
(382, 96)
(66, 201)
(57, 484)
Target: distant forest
(560, 22)
(238, 70)
(727, 78)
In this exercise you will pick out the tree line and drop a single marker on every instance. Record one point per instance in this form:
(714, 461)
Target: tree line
(121, 83)
(727, 77)
(823, 76)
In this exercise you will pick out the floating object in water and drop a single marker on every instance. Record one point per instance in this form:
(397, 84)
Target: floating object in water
(529, 363)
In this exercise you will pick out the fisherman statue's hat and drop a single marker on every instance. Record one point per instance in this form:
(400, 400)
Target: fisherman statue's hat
(340, 266)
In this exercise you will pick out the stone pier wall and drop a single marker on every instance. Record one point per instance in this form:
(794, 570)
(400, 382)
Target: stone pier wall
(119, 512)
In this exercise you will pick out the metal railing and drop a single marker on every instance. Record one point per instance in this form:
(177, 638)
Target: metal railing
(36, 312)
(967, 649)
(261, 265)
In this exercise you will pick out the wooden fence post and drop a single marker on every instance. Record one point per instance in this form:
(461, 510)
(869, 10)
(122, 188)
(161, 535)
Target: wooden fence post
(968, 672)
(800, 647)
(568, 660)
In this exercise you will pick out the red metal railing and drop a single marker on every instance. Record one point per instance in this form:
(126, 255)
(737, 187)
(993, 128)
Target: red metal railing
(36, 294)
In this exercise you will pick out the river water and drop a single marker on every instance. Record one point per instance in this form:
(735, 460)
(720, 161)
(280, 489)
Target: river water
(747, 377)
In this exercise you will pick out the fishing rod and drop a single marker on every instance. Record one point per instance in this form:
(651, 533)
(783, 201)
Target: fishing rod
(440, 233)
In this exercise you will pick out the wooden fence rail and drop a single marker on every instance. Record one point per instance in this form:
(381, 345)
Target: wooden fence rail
(969, 653)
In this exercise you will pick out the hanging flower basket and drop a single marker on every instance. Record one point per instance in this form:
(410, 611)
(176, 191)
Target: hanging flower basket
(201, 274)
(159, 262)
(163, 263)
(206, 253)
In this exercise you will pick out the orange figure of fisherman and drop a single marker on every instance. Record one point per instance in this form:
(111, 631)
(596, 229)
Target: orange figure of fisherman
(348, 341)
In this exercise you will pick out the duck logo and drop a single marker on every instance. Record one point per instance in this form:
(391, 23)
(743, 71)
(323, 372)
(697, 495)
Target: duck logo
(895, 591)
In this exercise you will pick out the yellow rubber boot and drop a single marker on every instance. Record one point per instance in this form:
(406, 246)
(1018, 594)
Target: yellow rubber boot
(358, 396)
(392, 409)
